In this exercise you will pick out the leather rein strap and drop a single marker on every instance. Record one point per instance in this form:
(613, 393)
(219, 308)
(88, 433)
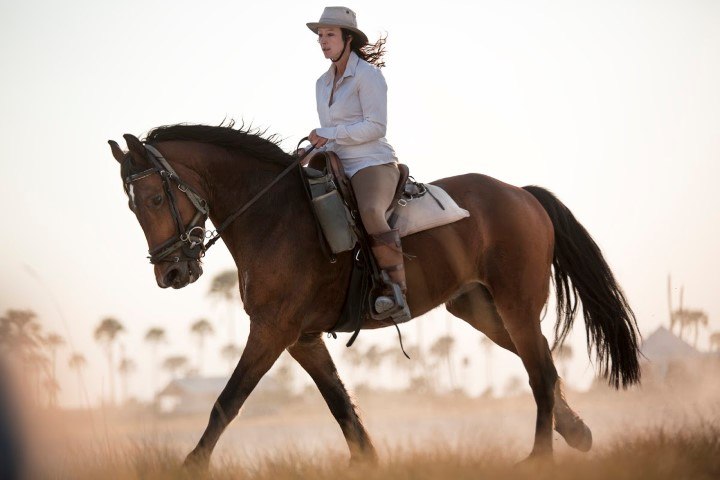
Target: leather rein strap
(257, 196)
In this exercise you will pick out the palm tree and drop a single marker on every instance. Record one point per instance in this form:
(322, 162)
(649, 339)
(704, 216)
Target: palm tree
(106, 334)
(224, 285)
(126, 368)
(513, 386)
(695, 319)
(373, 358)
(283, 374)
(224, 288)
(155, 336)
(174, 364)
(486, 343)
(36, 363)
(563, 354)
(686, 319)
(77, 362)
(201, 329)
(422, 359)
(231, 354)
(442, 349)
(21, 338)
(715, 342)
(51, 387)
(354, 358)
(19, 331)
(465, 363)
(401, 362)
(53, 341)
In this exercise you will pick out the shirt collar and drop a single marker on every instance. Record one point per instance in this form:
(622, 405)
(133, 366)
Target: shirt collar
(350, 68)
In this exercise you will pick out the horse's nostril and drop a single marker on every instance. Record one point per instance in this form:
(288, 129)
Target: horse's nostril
(177, 275)
(171, 275)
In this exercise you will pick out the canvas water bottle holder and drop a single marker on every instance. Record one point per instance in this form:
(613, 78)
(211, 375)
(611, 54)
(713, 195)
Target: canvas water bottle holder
(331, 210)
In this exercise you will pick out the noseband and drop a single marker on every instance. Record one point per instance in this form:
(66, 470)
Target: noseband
(189, 240)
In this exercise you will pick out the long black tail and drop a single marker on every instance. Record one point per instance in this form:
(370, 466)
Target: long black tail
(582, 272)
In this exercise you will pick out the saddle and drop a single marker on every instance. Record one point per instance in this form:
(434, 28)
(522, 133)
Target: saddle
(415, 207)
(329, 187)
(331, 163)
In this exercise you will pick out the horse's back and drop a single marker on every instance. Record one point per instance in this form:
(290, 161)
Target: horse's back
(494, 204)
(507, 230)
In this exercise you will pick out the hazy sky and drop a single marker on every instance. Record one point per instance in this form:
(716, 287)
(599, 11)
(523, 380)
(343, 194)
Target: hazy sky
(613, 105)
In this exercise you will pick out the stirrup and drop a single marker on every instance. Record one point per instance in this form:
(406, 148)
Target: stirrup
(383, 303)
(392, 306)
(396, 313)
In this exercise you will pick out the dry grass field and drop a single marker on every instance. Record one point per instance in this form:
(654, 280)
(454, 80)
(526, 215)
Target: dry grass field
(649, 433)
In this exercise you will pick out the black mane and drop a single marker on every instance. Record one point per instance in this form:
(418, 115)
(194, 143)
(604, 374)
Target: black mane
(248, 141)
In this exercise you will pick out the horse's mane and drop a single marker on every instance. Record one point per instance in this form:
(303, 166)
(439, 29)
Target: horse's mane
(250, 141)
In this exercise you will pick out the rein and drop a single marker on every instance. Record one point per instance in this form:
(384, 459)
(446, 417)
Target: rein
(191, 239)
(257, 196)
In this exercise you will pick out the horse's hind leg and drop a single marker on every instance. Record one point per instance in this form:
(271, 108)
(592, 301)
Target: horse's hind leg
(521, 317)
(312, 354)
(476, 307)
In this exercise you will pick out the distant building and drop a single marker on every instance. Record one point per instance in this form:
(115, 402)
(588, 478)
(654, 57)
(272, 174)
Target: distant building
(667, 357)
(193, 395)
(663, 346)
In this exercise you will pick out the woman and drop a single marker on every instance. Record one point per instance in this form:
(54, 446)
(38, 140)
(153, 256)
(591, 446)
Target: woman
(352, 106)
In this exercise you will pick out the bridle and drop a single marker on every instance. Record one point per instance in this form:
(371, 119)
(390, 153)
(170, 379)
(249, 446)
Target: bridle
(190, 240)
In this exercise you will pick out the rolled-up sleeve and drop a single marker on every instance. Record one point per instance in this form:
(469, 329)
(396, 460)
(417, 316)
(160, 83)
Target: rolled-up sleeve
(372, 93)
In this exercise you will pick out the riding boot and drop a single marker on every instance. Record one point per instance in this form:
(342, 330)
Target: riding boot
(387, 250)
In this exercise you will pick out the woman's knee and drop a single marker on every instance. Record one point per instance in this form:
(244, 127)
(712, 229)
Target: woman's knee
(373, 217)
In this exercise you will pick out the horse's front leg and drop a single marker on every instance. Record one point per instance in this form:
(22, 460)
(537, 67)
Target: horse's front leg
(265, 344)
(312, 354)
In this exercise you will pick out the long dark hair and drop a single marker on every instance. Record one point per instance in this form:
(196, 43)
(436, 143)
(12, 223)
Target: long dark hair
(370, 52)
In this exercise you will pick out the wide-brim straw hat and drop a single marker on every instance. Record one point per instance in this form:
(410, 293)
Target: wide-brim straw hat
(341, 17)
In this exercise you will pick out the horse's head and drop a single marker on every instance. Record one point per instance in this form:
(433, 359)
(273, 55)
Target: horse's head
(171, 213)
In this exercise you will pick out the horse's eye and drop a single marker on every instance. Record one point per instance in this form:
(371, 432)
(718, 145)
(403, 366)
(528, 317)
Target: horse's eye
(157, 200)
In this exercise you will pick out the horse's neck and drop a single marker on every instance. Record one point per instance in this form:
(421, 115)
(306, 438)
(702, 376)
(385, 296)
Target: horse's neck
(232, 180)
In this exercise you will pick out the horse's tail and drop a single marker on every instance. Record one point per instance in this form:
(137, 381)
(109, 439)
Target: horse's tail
(582, 272)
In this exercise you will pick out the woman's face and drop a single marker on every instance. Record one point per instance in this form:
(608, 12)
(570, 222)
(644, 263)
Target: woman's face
(331, 41)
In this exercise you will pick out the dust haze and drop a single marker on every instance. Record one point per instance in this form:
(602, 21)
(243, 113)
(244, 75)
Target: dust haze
(282, 429)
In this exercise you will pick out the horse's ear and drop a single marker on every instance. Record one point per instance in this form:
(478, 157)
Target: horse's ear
(137, 149)
(134, 144)
(116, 151)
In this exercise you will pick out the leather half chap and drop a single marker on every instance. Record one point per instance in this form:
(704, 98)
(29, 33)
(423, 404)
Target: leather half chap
(387, 249)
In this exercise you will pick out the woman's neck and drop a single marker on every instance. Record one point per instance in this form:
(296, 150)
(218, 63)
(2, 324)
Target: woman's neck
(341, 64)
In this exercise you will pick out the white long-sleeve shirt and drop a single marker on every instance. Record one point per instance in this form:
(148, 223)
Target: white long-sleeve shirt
(356, 121)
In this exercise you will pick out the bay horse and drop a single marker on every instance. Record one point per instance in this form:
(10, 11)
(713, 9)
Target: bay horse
(492, 270)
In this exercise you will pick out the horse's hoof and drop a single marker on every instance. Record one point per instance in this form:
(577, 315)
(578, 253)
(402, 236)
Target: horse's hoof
(367, 460)
(197, 463)
(577, 435)
(537, 460)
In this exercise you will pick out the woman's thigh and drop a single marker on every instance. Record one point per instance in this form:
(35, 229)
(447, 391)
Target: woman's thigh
(374, 189)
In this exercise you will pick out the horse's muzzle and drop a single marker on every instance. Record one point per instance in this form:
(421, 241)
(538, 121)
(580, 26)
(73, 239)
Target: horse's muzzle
(179, 275)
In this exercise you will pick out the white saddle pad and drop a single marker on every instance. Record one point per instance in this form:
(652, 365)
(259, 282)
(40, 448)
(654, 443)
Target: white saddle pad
(424, 213)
